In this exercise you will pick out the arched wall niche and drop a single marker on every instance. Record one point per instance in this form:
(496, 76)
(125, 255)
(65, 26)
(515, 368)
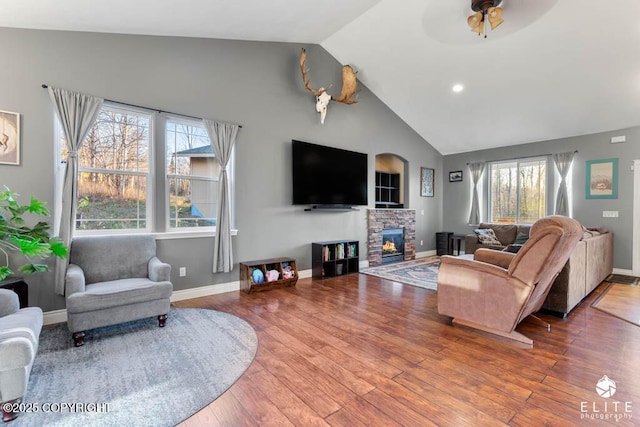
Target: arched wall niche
(391, 181)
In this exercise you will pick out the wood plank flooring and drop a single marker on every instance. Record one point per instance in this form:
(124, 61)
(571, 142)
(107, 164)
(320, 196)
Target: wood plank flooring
(359, 350)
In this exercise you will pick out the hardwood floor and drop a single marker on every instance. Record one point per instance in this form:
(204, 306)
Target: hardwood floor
(358, 350)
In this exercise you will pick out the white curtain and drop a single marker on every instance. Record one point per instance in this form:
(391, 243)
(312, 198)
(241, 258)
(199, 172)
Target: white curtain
(476, 170)
(223, 137)
(563, 163)
(77, 113)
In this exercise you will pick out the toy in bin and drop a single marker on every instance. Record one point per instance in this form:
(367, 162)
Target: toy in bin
(272, 275)
(287, 272)
(257, 275)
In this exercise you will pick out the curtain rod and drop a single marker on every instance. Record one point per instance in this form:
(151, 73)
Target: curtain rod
(519, 158)
(45, 86)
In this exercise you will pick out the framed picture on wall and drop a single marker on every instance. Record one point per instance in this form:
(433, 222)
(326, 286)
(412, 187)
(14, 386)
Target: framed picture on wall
(9, 138)
(426, 182)
(602, 179)
(455, 176)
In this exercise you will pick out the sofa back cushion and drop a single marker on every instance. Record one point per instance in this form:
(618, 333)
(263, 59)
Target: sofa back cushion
(106, 258)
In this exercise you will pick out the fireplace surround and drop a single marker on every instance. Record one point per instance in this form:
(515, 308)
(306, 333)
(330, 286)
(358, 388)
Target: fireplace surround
(378, 220)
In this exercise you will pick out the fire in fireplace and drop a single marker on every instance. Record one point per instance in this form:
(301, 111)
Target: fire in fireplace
(392, 244)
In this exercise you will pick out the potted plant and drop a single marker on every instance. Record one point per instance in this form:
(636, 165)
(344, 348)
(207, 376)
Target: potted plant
(31, 242)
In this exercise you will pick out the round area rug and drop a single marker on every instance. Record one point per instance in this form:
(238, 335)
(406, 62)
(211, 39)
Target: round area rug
(135, 373)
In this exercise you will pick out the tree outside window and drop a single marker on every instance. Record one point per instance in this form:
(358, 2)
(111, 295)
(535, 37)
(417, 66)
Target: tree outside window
(517, 191)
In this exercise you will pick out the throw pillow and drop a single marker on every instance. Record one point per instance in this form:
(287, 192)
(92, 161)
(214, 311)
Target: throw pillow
(487, 236)
(521, 239)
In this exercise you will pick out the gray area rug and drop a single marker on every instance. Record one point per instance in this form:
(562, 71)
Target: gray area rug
(422, 272)
(136, 373)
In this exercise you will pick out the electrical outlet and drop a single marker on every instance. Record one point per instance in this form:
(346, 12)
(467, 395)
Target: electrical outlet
(421, 242)
(610, 214)
(183, 271)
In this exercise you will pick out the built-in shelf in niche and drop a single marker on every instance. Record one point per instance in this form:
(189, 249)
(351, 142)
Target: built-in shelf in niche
(388, 190)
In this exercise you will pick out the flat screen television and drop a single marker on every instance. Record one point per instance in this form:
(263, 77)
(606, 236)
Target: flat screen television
(326, 176)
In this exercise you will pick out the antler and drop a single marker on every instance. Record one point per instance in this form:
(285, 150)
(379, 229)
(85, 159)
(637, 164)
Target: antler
(349, 86)
(349, 82)
(303, 67)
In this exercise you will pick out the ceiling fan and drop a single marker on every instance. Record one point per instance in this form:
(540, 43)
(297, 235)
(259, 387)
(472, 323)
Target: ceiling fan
(486, 10)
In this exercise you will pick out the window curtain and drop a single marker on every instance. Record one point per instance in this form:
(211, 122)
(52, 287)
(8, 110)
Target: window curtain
(77, 113)
(476, 170)
(563, 163)
(222, 137)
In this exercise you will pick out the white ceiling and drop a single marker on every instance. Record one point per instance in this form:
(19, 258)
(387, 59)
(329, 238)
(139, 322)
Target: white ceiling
(553, 69)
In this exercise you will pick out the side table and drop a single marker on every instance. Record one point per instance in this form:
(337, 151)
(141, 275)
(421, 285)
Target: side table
(20, 287)
(456, 242)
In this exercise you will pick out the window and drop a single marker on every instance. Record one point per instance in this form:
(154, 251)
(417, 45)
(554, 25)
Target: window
(120, 187)
(113, 172)
(192, 175)
(517, 190)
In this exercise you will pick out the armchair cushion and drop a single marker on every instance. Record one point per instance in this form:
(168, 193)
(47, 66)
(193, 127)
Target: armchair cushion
(9, 302)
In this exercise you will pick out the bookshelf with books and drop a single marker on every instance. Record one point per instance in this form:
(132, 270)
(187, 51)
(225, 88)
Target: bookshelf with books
(334, 258)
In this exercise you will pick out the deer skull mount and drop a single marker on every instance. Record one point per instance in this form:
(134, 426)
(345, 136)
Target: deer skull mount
(347, 94)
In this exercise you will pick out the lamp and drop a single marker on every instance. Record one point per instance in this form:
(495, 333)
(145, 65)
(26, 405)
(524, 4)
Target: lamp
(486, 10)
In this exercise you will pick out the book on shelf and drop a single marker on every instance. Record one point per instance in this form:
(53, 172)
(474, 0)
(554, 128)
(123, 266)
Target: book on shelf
(340, 251)
(351, 250)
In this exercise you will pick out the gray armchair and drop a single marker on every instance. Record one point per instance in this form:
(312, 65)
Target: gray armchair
(19, 337)
(115, 279)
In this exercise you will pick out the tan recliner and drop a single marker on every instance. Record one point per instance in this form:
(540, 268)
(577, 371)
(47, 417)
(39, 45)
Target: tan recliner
(496, 290)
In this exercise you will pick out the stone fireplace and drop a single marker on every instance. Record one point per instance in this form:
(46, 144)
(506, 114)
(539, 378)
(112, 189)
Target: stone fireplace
(391, 219)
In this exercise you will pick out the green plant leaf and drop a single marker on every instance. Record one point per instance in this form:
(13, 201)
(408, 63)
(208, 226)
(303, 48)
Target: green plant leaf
(5, 272)
(31, 247)
(58, 248)
(33, 268)
(37, 207)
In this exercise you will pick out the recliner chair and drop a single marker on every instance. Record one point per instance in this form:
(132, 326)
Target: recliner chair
(496, 290)
(115, 279)
(19, 338)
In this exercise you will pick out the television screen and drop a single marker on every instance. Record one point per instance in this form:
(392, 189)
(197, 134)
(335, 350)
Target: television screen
(328, 176)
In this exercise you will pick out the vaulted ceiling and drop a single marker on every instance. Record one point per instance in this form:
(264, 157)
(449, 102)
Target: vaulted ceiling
(553, 69)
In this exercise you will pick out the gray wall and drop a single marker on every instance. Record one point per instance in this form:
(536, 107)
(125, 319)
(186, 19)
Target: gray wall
(457, 198)
(252, 83)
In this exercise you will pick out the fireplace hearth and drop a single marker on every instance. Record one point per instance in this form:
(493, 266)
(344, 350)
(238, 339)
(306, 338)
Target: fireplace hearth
(392, 244)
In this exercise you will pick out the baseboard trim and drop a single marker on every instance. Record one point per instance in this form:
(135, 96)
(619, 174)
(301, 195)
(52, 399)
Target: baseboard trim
(55, 316)
(425, 254)
(623, 271)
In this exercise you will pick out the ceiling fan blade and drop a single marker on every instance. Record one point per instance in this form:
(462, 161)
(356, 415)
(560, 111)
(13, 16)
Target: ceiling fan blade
(476, 22)
(494, 15)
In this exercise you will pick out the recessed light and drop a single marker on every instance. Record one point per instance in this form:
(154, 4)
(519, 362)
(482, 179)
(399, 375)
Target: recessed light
(457, 88)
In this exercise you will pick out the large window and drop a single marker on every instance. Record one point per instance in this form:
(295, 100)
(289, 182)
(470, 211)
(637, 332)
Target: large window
(120, 187)
(192, 175)
(518, 190)
(113, 172)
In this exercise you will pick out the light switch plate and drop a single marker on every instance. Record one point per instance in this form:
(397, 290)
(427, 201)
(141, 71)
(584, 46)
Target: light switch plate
(610, 214)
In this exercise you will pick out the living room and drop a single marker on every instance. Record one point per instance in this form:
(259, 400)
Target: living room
(257, 84)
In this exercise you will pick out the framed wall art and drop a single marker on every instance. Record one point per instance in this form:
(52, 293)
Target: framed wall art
(426, 182)
(602, 179)
(455, 176)
(9, 138)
